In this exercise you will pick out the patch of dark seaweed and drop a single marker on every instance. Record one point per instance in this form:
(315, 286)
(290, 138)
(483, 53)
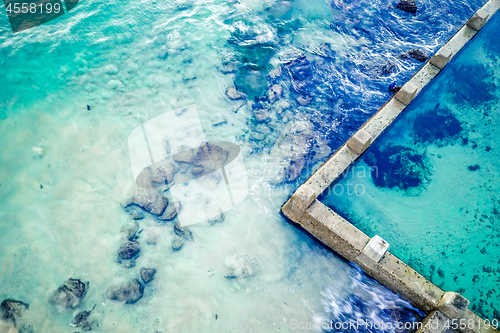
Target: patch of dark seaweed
(471, 84)
(398, 167)
(438, 126)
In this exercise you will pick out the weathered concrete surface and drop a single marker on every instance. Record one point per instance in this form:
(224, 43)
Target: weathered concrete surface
(441, 58)
(453, 305)
(478, 20)
(375, 249)
(407, 93)
(359, 142)
(479, 326)
(435, 322)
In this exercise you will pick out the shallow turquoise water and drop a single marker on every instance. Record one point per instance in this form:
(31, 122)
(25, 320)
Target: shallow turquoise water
(438, 204)
(66, 169)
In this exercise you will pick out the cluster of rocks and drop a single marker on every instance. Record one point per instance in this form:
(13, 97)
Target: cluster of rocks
(130, 291)
(275, 94)
(201, 162)
(130, 248)
(255, 81)
(67, 297)
(70, 296)
(447, 133)
(151, 201)
(293, 146)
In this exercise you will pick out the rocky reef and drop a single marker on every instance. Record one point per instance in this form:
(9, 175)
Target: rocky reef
(398, 167)
(128, 292)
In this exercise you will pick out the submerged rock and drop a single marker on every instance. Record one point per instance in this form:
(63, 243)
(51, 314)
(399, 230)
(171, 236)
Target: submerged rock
(177, 243)
(135, 213)
(275, 73)
(183, 232)
(197, 170)
(164, 174)
(184, 156)
(301, 71)
(245, 33)
(82, 320)
(129, 250)
(153, 234)
(128, 292)
(484, 89)
(149, 200)
(256, 54)
(7, 327)
(403, 315)
(418, 55)
(256, 136)
(147, 274)
(409, 6)
(325, 51)
(210, 157)
(163, 53)
(70, 295)
(398, 167)
(229, 67)
(242, 267)
(170, 212)
(12, 311)
(183, 167)
(233, 94)
(129, 230)
(214, 213)
(474, 167)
